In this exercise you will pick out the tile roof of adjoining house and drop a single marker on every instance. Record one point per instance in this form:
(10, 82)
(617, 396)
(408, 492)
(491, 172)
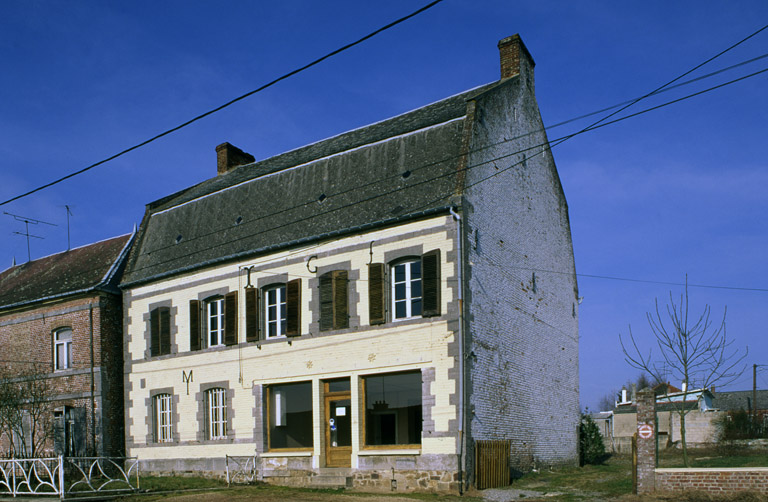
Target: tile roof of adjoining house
(77, 270)
(739, 399)
(386, 172)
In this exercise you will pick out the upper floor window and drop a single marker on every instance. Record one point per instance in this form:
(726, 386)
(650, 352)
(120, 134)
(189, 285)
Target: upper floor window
(62, 348)
(275, 311)
(215, 321)
(160, 331)
(406, 289)
(216, 413)
(163, 427)
(413, 289)
(334, 303)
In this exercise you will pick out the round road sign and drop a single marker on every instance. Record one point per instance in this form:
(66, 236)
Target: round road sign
(645, 431)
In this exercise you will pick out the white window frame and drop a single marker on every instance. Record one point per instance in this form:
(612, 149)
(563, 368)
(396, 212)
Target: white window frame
(216, 413)
(408, 299)
(215, 334)
(278, 318)
(64, 362)
(163, 418)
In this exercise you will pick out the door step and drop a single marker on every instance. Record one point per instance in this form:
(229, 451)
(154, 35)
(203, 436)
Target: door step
(330, 481)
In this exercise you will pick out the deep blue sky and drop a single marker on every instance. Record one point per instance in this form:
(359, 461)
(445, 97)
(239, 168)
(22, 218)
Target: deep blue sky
(679, 190)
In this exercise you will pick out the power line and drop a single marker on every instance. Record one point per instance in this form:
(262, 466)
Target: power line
(451, 173)
(231, 102)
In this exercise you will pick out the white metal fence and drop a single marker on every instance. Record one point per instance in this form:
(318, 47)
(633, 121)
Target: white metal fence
(68, 477)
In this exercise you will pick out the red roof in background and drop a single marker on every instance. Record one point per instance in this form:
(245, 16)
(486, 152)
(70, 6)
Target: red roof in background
(76, 270)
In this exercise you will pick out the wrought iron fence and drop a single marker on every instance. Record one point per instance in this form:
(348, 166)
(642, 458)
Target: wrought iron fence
(89, 475)
(31, 476)
(68, 477)
(241, 470)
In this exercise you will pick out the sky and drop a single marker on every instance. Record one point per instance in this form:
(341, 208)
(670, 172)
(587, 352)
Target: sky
(679, 190)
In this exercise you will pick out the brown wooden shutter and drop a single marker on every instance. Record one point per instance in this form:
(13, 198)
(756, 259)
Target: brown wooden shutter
(430, 279)
(165, 330)
(326, 301)
(293, 308)
(154, 333)
(230, 318)
(376, 293)
(340, 301)
(194, 325)
(251, 315)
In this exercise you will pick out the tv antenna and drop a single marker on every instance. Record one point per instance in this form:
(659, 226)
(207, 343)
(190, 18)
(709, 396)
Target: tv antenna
(69, 212)
(27, 221)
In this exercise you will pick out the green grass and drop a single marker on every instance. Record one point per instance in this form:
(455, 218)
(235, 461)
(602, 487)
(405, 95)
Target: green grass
(611, 479)
(720, 456)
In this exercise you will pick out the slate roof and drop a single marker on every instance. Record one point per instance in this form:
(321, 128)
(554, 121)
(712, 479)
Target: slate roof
(87, 268)
(740, 399)
(393, 170)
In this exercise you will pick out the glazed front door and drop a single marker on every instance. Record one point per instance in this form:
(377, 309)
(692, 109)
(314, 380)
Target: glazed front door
(338, 425)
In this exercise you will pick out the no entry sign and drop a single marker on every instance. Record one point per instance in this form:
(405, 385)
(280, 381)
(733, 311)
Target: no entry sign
(645, 431)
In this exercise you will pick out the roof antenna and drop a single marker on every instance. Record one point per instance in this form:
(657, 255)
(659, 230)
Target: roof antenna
(27, 221)
(69, 212)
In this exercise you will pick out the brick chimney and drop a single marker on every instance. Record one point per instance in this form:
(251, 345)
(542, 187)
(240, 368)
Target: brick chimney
(229, 157)
(515, 58)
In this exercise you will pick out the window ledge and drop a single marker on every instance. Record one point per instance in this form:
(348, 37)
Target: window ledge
(409, 451)
(273, 454)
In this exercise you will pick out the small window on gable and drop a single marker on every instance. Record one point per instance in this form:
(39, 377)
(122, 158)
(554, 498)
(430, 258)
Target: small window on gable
(62, 348)
(160, 331)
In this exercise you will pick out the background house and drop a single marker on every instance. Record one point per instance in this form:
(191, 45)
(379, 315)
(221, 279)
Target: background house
(705, 407)
(363, 309)
(61, 334)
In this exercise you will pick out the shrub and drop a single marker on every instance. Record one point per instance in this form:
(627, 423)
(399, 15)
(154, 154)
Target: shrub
(591, 447)
(738, 425)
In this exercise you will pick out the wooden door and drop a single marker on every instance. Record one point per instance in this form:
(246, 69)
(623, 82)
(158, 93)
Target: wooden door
(338, 427)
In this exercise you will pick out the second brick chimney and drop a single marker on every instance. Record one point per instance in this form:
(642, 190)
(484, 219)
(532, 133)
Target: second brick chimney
(229, 156)
(515, 58)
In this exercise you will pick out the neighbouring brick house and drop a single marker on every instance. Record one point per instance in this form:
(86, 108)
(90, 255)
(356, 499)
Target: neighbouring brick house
(362, 310)
(61, 326)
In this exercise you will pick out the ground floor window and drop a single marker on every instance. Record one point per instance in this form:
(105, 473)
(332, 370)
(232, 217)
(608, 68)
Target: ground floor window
(290, 416)
(163, 426)
(216, 413)
(393, 409)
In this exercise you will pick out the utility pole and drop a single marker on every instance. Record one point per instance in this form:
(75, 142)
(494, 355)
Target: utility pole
(754, 395)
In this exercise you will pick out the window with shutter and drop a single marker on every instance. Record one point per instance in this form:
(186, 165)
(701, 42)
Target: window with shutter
(194, 325)
(406, 289)
(293, 308)
(160, 331)
(275, 311)
(251, 315)
(214, 318)
(430, 270)
(230, 318)
(334, 303)
(376, 293)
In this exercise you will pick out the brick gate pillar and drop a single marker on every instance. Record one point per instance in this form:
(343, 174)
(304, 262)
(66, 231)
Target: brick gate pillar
(646, 441)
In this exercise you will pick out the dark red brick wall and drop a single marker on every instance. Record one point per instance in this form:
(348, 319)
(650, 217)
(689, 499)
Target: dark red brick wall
(26, 338)
(713, 480)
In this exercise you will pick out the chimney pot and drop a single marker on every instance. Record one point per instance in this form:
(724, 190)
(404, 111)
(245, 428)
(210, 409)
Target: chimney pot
(514, 57)
(229, 156)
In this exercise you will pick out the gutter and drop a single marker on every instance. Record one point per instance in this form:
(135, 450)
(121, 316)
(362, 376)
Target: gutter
(462, 438)
(289, 244)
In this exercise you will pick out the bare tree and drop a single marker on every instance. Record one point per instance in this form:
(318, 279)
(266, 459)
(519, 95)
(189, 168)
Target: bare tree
(690, 350)
(26, 412)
